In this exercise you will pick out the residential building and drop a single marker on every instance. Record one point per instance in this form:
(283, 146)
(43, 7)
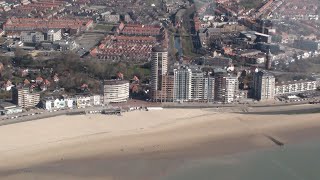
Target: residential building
(24, 98)
(269, 60)
(197, 84)
(159, 68)
(182, 84)
(139, 29)
(167, 89)
(9, 108)
(208, 88)
(32, 37)
(112, 17)
(54, 35)
(83, 101)
(293, 87)
(226, 88)
(39, 24)
(127, 18)
(307, 45)
(263, 86)
(115, 91)
(120, 47)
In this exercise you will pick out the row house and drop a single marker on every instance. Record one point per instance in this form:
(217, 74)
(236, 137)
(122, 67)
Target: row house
(78, 101)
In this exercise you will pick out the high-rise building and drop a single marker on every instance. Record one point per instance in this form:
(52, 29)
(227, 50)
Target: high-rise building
(263, 86)
(115, 91)
(192, 84)
(159, 68)
(24, 98)
(208, 88)
(269, 60)
(197, 85)
(182, 84)
(167, 89)
(226, 88)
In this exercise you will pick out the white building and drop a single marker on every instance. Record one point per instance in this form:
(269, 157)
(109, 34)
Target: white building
(72, 102)
(83, 101)
(54, 35)
(115, 91)
(57, 103)
(293, 87)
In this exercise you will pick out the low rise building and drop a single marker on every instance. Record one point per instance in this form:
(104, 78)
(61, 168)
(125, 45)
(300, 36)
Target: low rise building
(54, 35)
(32, 37)
(7, 108)
(111, 17)
(292, 87)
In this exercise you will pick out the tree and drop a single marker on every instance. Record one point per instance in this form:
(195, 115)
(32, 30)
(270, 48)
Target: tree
(19, 53)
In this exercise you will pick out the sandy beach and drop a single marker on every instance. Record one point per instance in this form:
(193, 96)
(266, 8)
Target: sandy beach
(109, 147)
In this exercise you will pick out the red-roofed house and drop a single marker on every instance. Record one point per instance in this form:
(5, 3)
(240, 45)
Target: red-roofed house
(39, 80)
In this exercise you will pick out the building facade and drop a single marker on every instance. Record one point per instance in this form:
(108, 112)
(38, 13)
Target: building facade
(24, 98)
(32, 37)
(182, 84)
(159, 68)
(263, 86)
(115, 91)
(197, 85)
(54, 35)
(295, 87)
(226, 88)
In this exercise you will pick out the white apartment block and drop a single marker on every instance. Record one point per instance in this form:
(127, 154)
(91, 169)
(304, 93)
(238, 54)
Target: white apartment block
(71, 102)
(115, 91)
(54, 35)
(232, 86)
(295, 87)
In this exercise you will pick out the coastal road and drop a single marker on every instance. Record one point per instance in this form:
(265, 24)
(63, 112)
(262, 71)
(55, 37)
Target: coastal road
(41, 114)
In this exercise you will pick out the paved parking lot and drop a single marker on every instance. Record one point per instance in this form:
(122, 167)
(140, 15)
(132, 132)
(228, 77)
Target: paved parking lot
(88, 40)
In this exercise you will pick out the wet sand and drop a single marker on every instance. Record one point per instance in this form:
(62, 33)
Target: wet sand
(140, 145)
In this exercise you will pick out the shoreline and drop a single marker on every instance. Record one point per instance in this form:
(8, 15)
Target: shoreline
(187, 134)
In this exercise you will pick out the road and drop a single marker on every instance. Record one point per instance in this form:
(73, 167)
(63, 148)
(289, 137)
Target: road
(41, 114)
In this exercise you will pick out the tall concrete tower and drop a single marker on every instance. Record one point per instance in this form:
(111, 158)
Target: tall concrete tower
(159, 68)
(269, 60)
(263, 86)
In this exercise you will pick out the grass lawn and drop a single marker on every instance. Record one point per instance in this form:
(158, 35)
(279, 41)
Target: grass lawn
(105, 27)
(187, 46)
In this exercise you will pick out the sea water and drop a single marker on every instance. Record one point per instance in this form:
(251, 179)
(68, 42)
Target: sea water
(292, 162)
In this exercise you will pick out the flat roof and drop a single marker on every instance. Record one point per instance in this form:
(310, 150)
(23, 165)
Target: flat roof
(6, 105)
(114, 82)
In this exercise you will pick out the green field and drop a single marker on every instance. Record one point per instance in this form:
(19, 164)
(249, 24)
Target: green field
(105, 27)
